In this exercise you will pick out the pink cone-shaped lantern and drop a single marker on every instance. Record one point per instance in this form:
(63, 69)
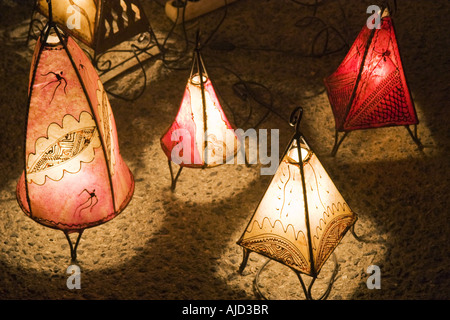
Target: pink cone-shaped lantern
(369, 88)
(201, 135)
(302, 216)
(74, 176)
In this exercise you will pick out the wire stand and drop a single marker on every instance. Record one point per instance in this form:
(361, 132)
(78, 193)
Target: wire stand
(331, 281)
(337, 142)
(361, 239)
(415, 137)
(108, 72)
(307, 290)
(174, 178)
(358, 238)
(246, 254)
(73, 248)
(143, 45)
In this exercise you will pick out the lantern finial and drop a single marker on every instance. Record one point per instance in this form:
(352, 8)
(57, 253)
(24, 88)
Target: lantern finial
(296, 117)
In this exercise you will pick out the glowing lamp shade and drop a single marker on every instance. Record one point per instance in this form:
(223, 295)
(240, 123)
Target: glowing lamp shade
(302, 216)
(74, 176)
(369, 88)
(100, 24)
(201, 135)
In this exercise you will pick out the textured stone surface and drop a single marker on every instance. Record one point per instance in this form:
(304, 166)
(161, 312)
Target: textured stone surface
(182, 244)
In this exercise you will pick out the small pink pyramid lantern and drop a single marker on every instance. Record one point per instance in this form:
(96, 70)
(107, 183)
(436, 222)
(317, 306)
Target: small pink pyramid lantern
(201, 135)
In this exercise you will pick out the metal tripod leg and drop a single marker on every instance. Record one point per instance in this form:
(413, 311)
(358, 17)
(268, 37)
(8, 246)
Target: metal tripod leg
(247, 163)
(73, 248)
(174, 179)
(326, 293)
(415, 137)
(337, 142)
(306, 290)
(244, 260)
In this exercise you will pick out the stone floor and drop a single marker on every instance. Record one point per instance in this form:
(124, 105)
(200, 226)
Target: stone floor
(182, 245)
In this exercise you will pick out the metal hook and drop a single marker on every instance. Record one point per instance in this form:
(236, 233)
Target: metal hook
(197, 40)
(295, 118)
(392, 9)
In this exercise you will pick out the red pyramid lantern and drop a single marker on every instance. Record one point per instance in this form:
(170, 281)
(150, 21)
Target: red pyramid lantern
(369, 88)
(302, 216)
(74, 177)
(201, 135)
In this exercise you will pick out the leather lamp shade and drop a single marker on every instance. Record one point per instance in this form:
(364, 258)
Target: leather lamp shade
(74, 176)
(302, 216)
(369, 88)
(201, 135)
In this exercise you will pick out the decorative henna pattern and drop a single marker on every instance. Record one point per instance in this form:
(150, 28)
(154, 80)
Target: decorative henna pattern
(75, 143)
(372, 92)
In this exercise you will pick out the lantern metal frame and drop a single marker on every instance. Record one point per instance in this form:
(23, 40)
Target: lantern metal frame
(197, 69)
(414, 135)
(62, 37)
(201, 72)
(299, 139)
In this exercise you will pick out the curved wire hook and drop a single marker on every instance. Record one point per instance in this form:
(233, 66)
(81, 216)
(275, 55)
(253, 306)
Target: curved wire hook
(307, 290)
(295, 119)
(391, 8)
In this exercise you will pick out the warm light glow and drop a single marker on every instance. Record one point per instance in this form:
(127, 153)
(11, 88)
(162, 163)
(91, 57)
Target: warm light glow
(369, 88)
(53, 39)
(75, 176)
(195, 146)
(72, 11)
(292, 155)
(195, 79)
(99, 24)
(279, 229)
